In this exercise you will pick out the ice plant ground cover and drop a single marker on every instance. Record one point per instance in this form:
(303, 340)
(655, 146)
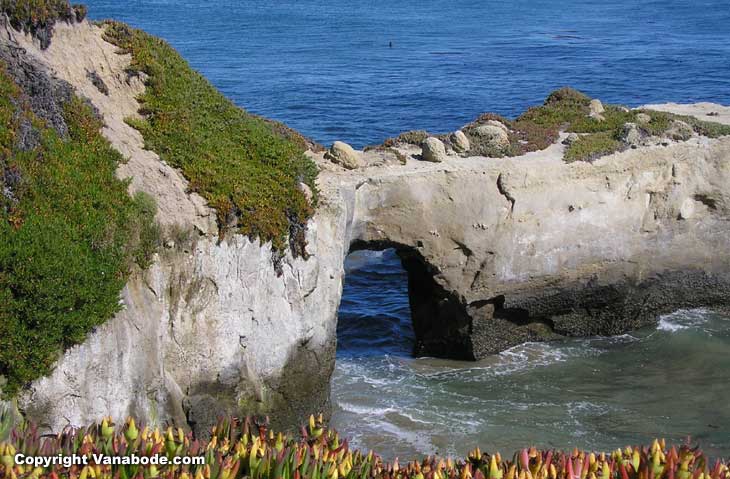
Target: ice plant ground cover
(249, 449)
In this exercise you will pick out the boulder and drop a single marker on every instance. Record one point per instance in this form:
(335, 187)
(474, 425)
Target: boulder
(632, 135)
(498, 124)
(687, 209)
(344, 155)
(493, 135)
(307, 192)
(596, 110)
(570, 139)
(643, 119)
(433, 150)
(460, 142)
(679, 131)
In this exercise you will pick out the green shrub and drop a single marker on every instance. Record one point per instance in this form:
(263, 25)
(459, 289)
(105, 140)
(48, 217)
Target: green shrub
(247, 168)
(592, 146)
(414, 137)
(247, 449)
(560, 109)
(568, 110)
(69, 233)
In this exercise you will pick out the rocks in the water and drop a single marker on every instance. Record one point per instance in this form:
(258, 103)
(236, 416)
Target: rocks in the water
(643, 119)
(679, 131)
(344, 155)
(433, 150)
(632, 135)
(570, 139)
(493, 135)
(460, 142)
(596, 110)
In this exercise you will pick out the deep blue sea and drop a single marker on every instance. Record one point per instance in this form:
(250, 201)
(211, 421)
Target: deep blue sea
(364, 71)
(326, 68)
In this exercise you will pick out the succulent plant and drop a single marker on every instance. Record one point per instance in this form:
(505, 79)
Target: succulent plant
(247, 448)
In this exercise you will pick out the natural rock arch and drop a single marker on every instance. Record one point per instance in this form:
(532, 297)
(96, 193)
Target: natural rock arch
(504, 251)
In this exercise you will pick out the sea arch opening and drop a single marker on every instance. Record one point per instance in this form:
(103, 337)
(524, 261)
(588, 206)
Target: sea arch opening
(391, 304)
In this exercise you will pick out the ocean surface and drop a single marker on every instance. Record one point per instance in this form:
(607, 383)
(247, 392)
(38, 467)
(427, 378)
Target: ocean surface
(671, 380)
(364, 71)
(326, 67)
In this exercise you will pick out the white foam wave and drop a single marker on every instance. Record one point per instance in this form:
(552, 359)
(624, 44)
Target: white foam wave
(365, 410)
(667, 325)
(683, 319)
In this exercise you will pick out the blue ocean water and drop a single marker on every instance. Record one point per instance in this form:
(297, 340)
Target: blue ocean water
(325, 67)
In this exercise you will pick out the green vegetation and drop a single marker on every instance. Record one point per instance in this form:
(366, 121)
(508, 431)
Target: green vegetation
(38, 16)
(247, 168)
(568, 110)
(247, 449)
(69, 233)
(414, 137)
(591, 147)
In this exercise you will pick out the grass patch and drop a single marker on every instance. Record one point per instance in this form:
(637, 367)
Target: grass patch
(69, 234)
(414, 137)
(568, 110)
(661, 122)
(593, 146)
(247, 168)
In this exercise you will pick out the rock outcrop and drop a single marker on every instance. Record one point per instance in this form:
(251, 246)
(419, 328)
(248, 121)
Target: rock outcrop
(212, 327)
(503, 251)
(498, 252)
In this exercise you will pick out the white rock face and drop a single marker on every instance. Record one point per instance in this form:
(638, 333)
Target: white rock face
(433, 150)
(207, 333)
(530, 248)
(345, 155)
